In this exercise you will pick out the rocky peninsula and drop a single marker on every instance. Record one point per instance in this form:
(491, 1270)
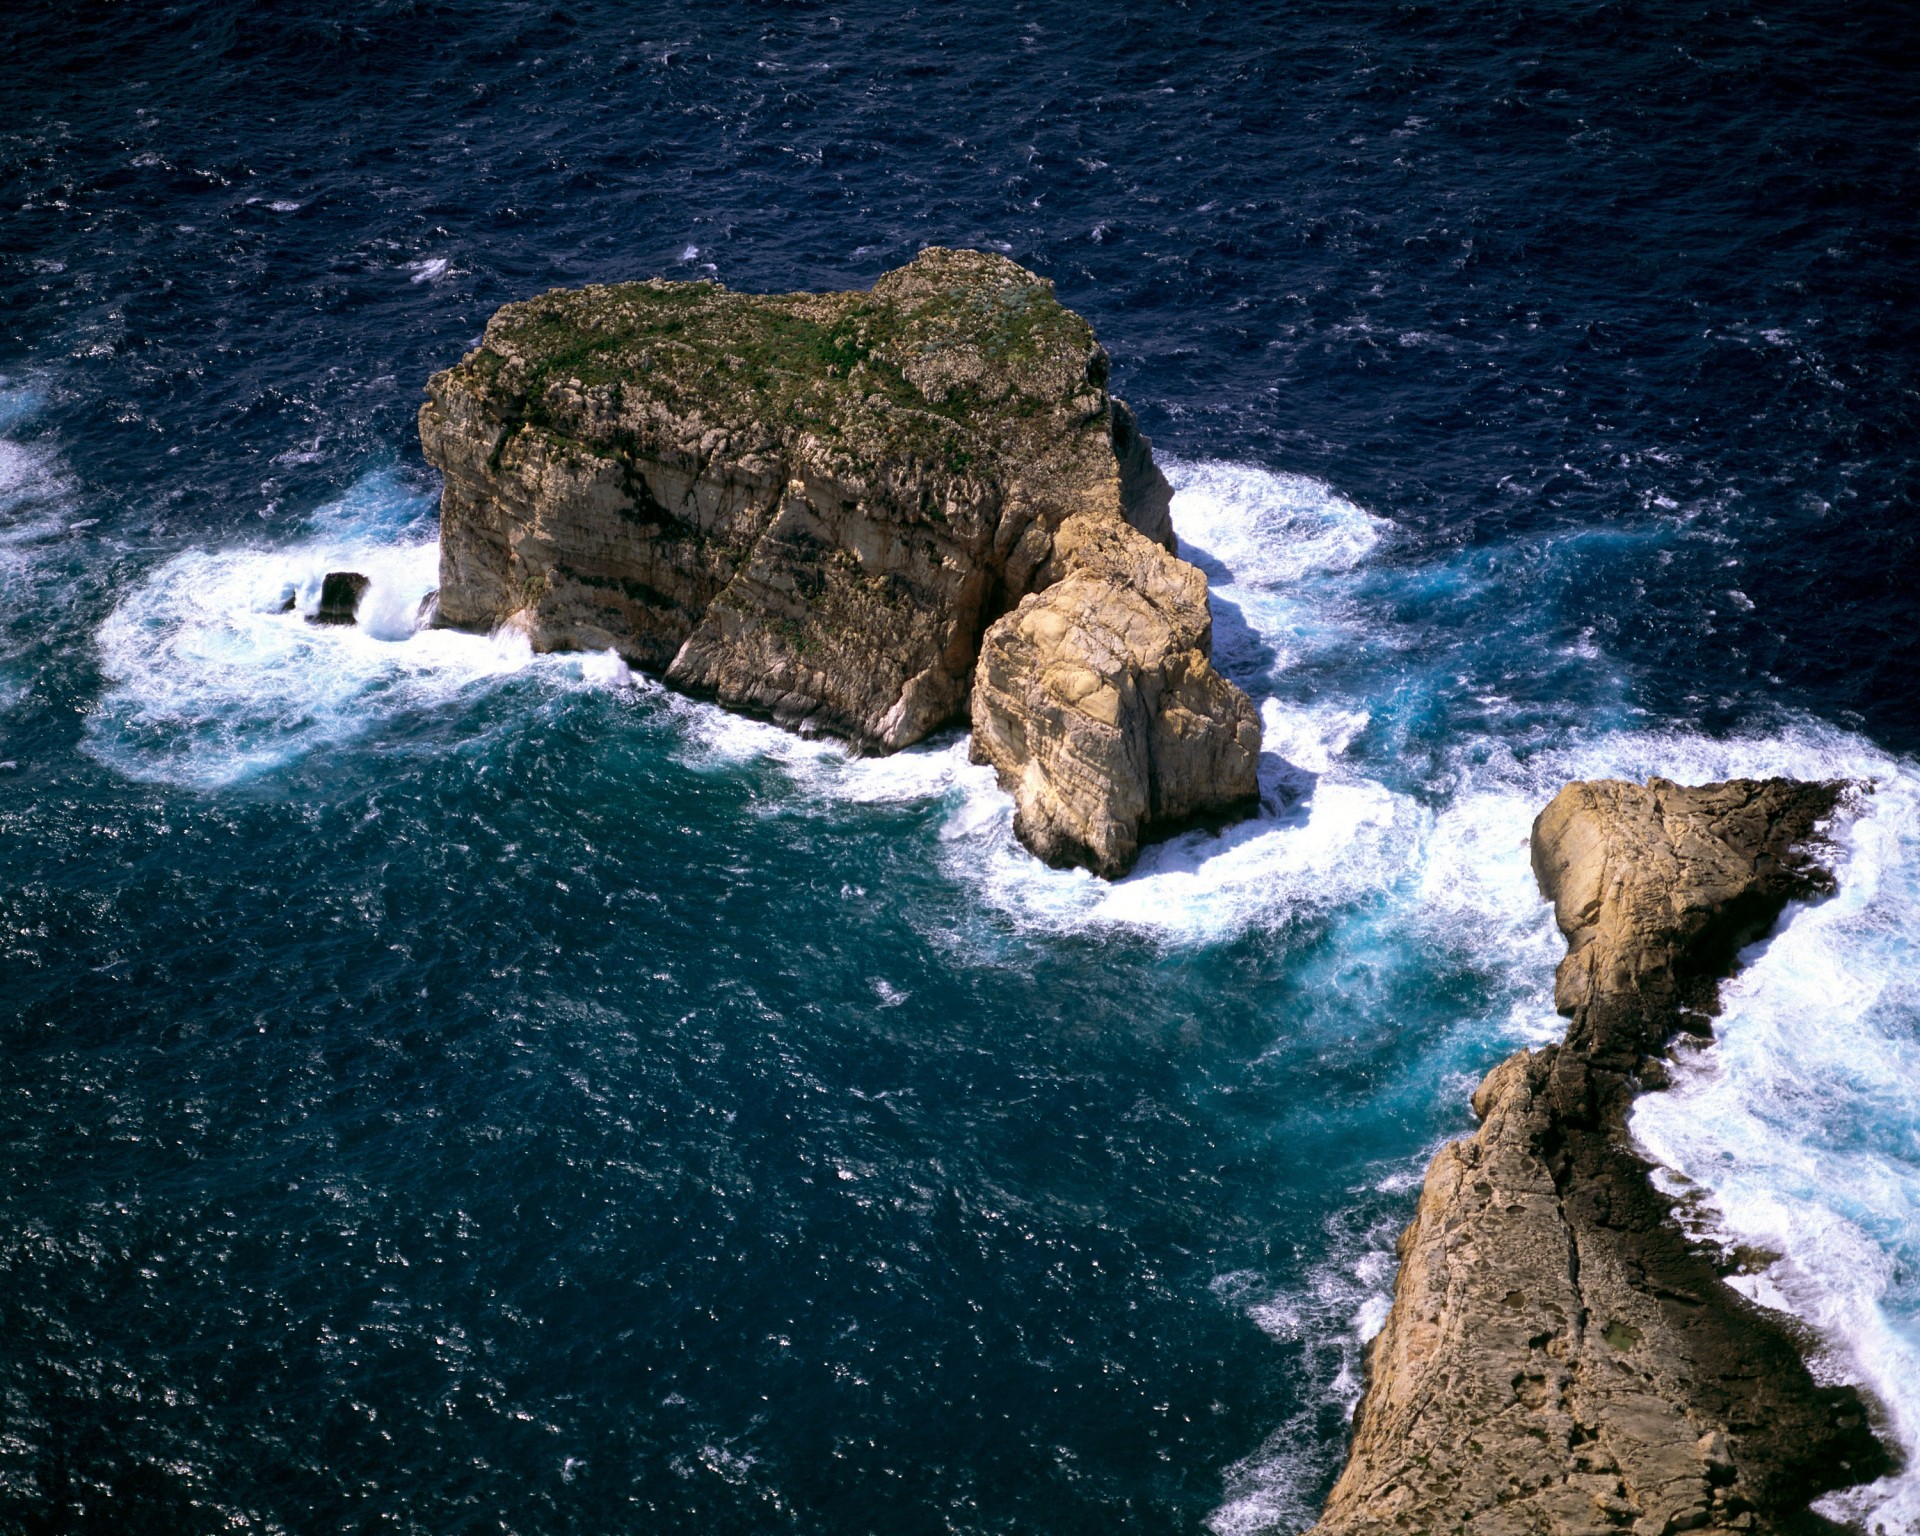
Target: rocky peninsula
(827, 508)
(1559, 1358)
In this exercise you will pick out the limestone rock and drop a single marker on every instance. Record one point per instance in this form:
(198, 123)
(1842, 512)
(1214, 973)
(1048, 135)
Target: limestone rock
(1096, 702)
(1558, 1358)
(1657, 887)
(807, 506)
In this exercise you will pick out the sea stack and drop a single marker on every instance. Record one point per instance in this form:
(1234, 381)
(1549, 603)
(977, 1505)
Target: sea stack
(817, 507)
(1559, 1358)
(340, 594)
(1097, 704)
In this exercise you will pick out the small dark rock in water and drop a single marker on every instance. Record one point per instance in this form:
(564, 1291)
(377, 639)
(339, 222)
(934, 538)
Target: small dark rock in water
(428, 613)
(340, 596)
(289, 598)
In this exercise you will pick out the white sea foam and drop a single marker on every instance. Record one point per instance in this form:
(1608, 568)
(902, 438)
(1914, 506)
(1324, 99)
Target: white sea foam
(211, 683)
(1269, 530)
(35, 498)
(213, 679)
(1344, 836)
(1332, 1317)
(1266, 542)
(38, 500)
(821, 769)
(36, 489)
(1326, 835)
(1799, 1128)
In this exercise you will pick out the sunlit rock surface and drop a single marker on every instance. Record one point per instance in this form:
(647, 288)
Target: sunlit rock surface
(1558, 1357)
(813, 506)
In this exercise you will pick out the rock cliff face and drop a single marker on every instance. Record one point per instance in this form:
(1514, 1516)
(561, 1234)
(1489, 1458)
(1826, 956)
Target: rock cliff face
(812, 506)
(1558, 1358)
(1095, 701)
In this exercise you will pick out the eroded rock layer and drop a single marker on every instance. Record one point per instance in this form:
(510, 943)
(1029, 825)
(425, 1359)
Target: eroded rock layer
(1559, 1359)
(1095, 701)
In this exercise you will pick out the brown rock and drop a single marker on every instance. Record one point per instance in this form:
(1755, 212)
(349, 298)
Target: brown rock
(1558, 1357)
(807, 506)
(1657, 887)
(1096, 702)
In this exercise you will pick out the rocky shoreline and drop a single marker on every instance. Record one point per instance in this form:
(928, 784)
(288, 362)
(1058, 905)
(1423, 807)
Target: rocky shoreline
(1559, 1358)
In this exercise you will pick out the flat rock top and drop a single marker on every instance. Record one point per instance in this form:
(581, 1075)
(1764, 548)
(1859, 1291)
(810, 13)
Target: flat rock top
(1657, 885)
(955, 359)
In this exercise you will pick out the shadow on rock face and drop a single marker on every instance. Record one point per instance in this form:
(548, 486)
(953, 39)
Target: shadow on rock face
(1559, 1357)
(1286, 790)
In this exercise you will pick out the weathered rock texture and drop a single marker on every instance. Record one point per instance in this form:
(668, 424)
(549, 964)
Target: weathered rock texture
(811, 506)
(1095, 701)
(1558, 1357)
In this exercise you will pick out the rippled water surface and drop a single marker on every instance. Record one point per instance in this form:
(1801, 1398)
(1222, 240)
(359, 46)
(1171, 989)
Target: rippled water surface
(453, 1090)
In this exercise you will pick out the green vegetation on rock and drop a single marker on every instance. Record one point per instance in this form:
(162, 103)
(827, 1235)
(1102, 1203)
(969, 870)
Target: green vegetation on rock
(930, 366)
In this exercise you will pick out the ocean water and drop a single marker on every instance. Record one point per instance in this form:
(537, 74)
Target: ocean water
(453, 1090)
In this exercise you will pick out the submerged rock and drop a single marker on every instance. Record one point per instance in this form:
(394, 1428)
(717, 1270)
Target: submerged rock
(340, 595)
(1559, 1358)
(812, 506)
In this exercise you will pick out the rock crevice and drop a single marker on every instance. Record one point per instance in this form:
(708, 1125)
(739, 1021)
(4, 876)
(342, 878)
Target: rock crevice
(1559, 1358)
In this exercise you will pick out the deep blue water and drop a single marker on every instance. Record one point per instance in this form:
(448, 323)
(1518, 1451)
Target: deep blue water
(452, 1091)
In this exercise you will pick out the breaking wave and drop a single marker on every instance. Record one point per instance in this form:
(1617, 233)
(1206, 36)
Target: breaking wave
(216, 676)
(1796, 1135)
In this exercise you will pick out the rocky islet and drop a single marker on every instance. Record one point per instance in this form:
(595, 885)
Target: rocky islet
(824, 508)
(340, 594)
